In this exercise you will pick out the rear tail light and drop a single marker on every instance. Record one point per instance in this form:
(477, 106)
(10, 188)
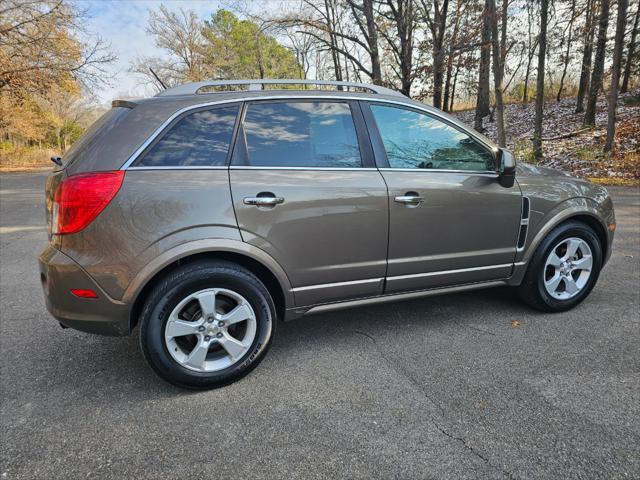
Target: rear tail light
(80, 199)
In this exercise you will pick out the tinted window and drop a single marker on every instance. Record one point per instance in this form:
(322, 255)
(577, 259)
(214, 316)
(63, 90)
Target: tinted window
(416, 140)
(200, 139)
(95, 135)
(300, 134)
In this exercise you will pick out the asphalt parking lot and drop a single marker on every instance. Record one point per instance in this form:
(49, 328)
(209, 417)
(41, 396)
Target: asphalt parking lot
(471, 385)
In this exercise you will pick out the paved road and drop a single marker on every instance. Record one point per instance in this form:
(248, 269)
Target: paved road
(443, 387)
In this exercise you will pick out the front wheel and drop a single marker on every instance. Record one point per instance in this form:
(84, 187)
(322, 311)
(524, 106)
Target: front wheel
(564, 268)
(206, 325)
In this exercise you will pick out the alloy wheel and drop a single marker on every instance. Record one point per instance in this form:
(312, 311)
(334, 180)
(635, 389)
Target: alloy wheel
(210, 330)
(568, 268)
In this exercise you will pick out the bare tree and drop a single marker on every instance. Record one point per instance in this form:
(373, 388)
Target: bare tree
(498, 66)
(482, 100)
(598, 66)
(542, 53)
(532, 45)
(587, 53)
(326, 26)
(448, 90)
(302, 45)
(437, 25)
(631, 54)
(364, 17)
(567, 54)
(402, 15)
(330, 16)
(179, 34)
(38, 45)
(615, 74)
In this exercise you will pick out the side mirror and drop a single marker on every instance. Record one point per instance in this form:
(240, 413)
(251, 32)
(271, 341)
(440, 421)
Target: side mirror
(506, 168)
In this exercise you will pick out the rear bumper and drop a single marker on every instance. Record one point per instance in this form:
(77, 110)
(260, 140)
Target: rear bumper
(103, 315)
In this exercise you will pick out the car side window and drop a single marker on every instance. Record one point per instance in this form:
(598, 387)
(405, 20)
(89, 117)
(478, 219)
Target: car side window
(417, 140)
(299, 134)
(200, 139)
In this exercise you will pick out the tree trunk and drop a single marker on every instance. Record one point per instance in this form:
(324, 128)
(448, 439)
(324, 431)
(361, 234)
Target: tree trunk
(372, 41)
(587, 54)
(405, 23)
(615, 74)
(490, 6)
(530, 54)
(598, 65)
(542, 53)
(566, 54)
(482, 102)
(630, 54)
(453, 87)
(447, 84)
(335, 55)
(525, 88)
(451, 58)
(438, 75)
(438, 30)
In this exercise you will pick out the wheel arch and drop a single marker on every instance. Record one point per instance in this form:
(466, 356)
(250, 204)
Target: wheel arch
(597, 226)
(577, 209)
(253, 259)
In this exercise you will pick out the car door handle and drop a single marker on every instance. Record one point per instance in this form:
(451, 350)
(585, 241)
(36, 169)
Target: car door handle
(263, 201)
(409, 199)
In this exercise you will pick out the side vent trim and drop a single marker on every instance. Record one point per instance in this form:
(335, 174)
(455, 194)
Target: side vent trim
(524, 223)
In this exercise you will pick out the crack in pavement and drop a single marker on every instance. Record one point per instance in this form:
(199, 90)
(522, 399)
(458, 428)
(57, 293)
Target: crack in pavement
(471, 327)
(399, 370)
(420, 388)
(471, 449)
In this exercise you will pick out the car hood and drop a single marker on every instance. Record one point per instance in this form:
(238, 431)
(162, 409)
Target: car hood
(527, 169)
(552, 187)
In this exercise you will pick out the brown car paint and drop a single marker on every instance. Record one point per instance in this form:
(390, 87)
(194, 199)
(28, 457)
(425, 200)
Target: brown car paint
(326, 245)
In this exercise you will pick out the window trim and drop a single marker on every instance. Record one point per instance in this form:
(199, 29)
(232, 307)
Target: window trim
(166, 129)
(364, 145)
(382, 160)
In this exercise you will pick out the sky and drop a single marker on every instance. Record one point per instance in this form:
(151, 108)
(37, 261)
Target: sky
(122, 24)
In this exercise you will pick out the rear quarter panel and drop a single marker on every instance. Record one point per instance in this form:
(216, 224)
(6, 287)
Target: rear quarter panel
(154, 211)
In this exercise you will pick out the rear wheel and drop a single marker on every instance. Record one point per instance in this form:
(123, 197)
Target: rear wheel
(206, 325)
(564, 268)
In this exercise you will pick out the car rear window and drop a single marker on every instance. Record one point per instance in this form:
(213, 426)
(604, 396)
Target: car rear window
(299, 134)
(199, 139)
(93, 136)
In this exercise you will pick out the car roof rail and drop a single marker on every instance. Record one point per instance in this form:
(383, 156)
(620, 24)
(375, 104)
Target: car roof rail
(211, 86)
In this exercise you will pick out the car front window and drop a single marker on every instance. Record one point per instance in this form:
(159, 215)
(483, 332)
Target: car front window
(416, 140)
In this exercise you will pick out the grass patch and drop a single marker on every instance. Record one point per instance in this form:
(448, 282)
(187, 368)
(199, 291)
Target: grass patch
(632, 100)
(523, 150)
(24, 159)
(616, 181)
(589, 153)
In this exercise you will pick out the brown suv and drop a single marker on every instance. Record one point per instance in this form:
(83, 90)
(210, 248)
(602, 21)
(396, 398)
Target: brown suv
(205, 216)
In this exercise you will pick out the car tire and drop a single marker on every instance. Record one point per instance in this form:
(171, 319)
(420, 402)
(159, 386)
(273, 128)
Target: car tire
(183, 335)
(551, 284)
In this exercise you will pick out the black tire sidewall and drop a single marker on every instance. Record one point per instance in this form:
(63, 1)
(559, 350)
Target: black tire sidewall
(563, 232)
(178, 286)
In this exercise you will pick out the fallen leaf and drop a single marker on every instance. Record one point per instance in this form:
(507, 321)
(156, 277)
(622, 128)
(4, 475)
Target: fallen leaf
(515, 323)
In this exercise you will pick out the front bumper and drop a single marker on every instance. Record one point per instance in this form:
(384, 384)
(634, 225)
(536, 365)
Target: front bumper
(103, 315)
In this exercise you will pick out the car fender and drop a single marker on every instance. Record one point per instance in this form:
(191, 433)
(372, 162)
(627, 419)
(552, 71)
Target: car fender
(212, 245)
(563, 211)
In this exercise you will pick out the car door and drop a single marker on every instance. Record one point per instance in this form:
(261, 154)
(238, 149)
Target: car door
(450, 220)
(305, 190)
